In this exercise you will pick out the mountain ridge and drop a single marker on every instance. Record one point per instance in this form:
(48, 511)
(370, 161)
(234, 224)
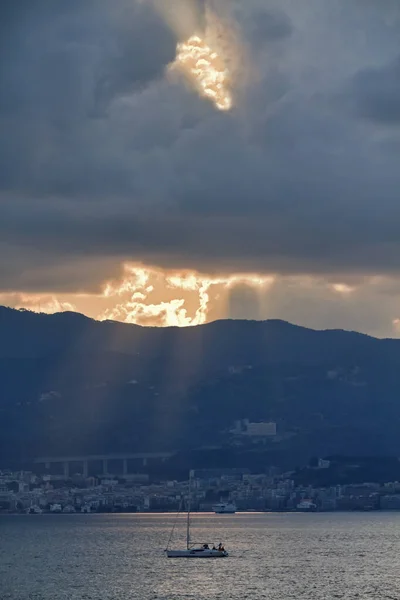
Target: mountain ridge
(73, 385)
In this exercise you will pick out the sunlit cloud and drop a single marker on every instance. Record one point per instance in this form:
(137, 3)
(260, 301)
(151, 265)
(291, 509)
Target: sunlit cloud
(208, 54)
(134, 278)
(40, 303)
(152, 296)
(343, 288)
(207, 70)
(188, 305)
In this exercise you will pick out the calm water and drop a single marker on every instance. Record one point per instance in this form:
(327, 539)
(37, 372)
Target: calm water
(277, 556)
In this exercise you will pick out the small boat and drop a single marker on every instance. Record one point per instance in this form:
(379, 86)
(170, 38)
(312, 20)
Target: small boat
(193, 550)
(224, 508)
(306, 506)
(34, 509)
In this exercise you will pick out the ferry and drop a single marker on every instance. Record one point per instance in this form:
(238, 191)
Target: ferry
(34, 509)
(224, 508)
(306, 506)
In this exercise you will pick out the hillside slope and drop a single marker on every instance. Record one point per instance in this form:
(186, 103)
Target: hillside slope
(71, 385)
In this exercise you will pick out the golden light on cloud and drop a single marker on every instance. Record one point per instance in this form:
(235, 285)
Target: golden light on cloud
(40, 303)
(157, 297)
(206, 69)
(150, 296)
(342, 288)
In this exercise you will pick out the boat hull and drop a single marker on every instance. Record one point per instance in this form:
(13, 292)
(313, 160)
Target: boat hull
(225, 508)
(193, 553)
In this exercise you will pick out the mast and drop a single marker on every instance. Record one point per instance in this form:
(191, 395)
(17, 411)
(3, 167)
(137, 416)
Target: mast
(188, 511)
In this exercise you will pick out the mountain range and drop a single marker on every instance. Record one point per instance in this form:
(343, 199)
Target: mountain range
(70, 385)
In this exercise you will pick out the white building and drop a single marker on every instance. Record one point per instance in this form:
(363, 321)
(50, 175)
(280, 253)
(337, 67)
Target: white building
(263, 429)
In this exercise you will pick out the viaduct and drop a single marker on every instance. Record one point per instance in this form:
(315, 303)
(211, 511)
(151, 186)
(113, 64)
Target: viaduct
(102, 464)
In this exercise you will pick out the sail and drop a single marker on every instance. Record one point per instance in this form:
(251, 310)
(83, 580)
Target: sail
(192, 552)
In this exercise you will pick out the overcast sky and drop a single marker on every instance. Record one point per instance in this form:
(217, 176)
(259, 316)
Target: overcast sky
(107, 157)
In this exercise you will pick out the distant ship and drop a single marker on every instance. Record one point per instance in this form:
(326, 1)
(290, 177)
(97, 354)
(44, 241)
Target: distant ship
(34, 509)
(224, 508)
(306, 506)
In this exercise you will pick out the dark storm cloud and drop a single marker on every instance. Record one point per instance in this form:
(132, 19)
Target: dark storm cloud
(375, 93)
(60, 66)
(264, 25)
(59, 57)
(104, 157)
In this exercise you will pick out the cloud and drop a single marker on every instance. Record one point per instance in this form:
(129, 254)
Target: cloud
(375, 93)
(36, 303)
(149, 296)
(107, 156)
(364, 304)
(153, 297)
(262, 24)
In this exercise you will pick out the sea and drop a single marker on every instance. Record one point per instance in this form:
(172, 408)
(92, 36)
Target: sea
(279, 556)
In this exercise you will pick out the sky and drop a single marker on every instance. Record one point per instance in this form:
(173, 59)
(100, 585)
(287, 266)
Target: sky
(172, 163)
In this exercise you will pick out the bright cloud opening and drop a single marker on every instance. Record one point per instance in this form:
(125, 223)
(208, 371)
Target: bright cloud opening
(183, 299)
(342, 288)
(206, 69)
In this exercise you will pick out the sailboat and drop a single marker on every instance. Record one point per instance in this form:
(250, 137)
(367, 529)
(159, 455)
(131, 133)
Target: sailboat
(194, 550)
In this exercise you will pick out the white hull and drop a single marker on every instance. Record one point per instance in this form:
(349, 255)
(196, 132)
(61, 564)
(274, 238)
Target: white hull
(34, 510)
(203, 551)
(224, 509)
(193, 553)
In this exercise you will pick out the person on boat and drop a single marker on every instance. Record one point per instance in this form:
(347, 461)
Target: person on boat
(205, 547)
(220, 547)
(214, 548)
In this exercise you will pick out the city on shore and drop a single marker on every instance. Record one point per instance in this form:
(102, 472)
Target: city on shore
(35, 493)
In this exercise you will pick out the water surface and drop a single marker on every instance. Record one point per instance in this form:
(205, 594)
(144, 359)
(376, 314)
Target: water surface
(274, 556)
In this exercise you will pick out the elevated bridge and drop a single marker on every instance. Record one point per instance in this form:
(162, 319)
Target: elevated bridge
(101, 464)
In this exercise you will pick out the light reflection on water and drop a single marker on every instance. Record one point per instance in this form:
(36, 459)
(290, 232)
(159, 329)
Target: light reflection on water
(273, 556)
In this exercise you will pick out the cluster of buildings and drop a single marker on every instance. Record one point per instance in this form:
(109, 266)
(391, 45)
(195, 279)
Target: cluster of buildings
(258, 431)
(24, 491)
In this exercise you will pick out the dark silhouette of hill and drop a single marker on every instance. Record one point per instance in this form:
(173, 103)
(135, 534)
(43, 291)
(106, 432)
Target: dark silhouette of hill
(71, 385)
